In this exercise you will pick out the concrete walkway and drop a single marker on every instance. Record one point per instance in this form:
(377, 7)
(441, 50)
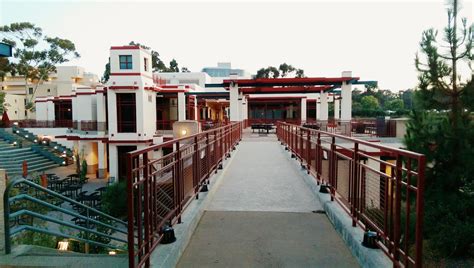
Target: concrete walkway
(263, 215)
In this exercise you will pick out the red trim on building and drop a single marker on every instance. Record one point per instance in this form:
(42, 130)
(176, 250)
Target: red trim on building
(290, 81)
(125, 74)
(175, 86)
(124, 47)
(173, 91)
(131, 74)
(276, 98)
(129, 141)
(289, 89)
(123, 87)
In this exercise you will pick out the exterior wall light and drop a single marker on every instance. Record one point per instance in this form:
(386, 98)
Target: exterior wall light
(63, 245)
(55, 147)
(14, 143)
(35, 141)
(112, 252)
(26, 136)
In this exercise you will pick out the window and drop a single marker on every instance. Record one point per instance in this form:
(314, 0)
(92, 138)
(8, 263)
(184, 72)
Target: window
(125, 62)
(30, 91)
(49, 90)
(145, 60)
(126, 113)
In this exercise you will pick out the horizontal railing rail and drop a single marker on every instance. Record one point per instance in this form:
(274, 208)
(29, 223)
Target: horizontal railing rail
(89, 125)
(97, 223)
(32, 123)
(159, 187)
(380, 187)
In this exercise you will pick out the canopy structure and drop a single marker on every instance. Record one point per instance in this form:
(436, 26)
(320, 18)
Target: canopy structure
(242, 90)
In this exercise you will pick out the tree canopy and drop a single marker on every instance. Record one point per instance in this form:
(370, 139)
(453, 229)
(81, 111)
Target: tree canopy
(36, 55)
(442, 128)
(283, 70)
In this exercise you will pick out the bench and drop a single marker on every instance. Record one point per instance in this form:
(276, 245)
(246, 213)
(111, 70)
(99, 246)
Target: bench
(261, 127)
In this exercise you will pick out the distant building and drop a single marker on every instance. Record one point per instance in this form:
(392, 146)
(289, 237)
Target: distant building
(224, 69)
(59, 85)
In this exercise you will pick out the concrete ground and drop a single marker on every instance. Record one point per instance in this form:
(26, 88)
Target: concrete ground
(263, 215)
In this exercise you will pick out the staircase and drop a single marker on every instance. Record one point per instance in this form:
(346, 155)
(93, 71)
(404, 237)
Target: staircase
(12, 157)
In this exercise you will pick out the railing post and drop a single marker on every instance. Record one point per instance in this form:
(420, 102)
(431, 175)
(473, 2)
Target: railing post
(354, 182)
(178, 181)
(131, 219)
(308, 151)
(196, 167)
(420, 211)
(318, 159)
(146, 215)
(4, 214)
(398, 184)
(332, 167)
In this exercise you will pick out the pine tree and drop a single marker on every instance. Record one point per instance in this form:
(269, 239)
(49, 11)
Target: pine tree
(442, 128)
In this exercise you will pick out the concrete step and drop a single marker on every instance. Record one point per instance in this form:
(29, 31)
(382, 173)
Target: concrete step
(31, 169)
(30, 163)
(16, 160)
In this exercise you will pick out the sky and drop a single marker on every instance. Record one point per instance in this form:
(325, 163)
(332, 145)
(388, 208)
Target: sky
(376, 40)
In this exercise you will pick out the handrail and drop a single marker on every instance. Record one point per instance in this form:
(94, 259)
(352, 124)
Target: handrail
(178, 176)
(359, 141)
(385, 196)
(8, 215)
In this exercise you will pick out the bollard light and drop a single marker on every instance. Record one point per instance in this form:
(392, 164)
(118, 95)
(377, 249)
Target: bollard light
(324, 189)
(63, 245)
(112, 252)
(168, 235)
(370, 239)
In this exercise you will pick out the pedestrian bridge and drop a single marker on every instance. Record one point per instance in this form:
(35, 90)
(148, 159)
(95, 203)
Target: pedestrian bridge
(265, 207)
(296, 197)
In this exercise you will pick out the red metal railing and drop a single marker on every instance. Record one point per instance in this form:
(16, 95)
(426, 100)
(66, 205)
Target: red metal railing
(31, 123)
(89, 125)
(160, 187)
(385, 196)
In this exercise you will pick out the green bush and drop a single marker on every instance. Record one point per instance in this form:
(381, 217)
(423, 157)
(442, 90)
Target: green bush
(114, 200)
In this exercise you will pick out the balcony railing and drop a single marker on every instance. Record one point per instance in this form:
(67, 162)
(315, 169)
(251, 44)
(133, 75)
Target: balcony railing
(160, 189)
(89, 126)
(43, 124)
(384, 196)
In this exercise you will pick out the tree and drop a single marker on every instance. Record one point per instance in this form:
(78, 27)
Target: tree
(2, 101)
(300, 73)
(173, 66)
(394, 105)
(36, 55)
(442, 128)
(285, 69)
(282, 71)
(6, 67)
(369, 103)
(106, 75)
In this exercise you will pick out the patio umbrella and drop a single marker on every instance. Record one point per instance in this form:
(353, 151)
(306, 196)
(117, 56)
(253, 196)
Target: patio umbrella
(5, 119)
(25, 169)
